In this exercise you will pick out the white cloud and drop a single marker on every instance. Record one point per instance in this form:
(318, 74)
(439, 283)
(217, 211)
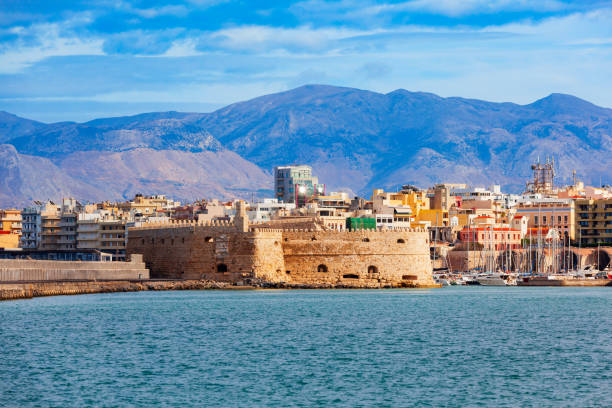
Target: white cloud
(183, 48)
(362, 10)
(43, 41)
(455, 8)
(265, 38)
(170, 10)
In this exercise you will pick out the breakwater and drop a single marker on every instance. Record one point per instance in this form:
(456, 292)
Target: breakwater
(26, 290)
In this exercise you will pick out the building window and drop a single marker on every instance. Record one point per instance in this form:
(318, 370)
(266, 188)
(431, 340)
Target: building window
(372, 269)
(221, 268)
(366, 239)
(322, 268)
(401, 241)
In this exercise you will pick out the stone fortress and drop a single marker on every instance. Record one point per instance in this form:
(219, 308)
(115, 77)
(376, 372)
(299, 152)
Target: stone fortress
(279, 254)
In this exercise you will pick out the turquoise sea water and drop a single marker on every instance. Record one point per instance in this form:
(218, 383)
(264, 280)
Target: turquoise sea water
(471, 346)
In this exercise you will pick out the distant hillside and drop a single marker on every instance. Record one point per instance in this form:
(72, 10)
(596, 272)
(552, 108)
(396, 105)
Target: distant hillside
(360, 139)
(12, 126)
(355, 140)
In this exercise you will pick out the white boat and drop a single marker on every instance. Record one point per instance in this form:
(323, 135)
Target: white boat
(495, 279)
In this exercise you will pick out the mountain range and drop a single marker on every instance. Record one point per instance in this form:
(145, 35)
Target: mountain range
(355, 140)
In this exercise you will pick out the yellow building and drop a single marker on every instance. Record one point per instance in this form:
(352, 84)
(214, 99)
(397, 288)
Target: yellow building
(10, 220)
(419, 203)
(10, 228)
(148, 206)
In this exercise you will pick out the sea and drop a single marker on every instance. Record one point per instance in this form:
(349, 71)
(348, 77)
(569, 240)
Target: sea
(448, 347)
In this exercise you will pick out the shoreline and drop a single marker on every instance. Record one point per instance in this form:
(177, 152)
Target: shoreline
(32, 289)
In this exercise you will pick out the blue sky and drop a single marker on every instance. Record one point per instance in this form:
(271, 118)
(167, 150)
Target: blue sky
(77, 60)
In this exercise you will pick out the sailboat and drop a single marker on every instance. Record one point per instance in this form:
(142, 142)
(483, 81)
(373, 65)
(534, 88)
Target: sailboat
(492, 277)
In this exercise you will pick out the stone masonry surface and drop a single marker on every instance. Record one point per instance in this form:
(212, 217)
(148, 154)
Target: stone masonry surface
(225, 252)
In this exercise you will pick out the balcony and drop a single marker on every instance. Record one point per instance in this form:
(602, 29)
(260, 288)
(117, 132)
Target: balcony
(104, 246)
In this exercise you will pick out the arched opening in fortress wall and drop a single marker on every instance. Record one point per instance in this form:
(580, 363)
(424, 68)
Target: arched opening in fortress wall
(599, 258)
(322, 268)
(508, 260)
(567, 260)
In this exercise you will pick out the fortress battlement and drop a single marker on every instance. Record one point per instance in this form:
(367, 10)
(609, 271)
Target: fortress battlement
(259, 253)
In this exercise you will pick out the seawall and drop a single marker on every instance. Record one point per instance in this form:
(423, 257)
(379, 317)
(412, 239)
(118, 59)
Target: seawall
(21, 270)
(10, 291)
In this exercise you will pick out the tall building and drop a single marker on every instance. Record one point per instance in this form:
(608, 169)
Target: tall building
(296, 184)
(50, 230)
(594, 221)
(113, 237)
(88, 228)
(67, 234)
(38, 221)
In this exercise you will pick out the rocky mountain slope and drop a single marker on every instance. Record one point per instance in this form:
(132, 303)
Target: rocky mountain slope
(355, 140)
(360, 139)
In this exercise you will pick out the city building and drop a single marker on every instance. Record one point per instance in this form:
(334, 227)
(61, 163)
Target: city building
(594, 221)
(296, 184)
(492, 237)
(142, 206)
(32, 225)
(10, 220)
(113, 237)
(556, 213)
(265, 210)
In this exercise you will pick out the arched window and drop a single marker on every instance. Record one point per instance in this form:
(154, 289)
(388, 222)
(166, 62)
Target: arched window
(366, 240)
(372, 269)
(221, 268)
(401, 241)
(208, 239)
(322, 268)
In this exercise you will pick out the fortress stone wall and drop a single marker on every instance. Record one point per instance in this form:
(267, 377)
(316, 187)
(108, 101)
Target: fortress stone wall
(241, 253)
